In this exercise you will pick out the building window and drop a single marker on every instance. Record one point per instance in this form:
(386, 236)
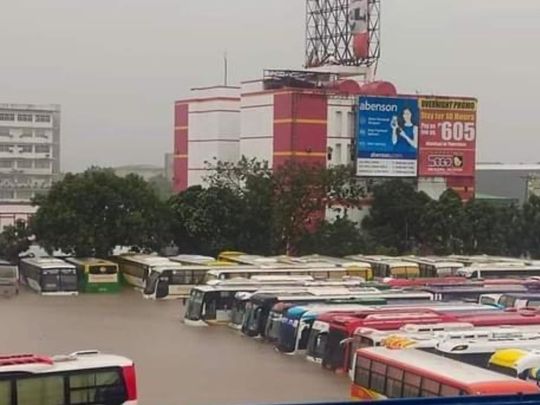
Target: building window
(6, 148)
(339, 123)
(40, 133)
(43, 149)
(25, 118)
(337, 154)
(7, 194)
(350, 124)
(6, 164)
(43, 164)
(24, 164)
(5, 132)
(43, 118)
(24, 194)
(26, 148)
(7, 117)
(27, 133)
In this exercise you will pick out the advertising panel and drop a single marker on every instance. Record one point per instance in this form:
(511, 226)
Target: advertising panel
(387, 137)
(447, 137)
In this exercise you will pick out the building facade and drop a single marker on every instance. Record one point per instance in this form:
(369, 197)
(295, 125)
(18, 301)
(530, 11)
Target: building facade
(317, 118)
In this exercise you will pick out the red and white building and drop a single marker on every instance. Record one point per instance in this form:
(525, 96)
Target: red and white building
(302, 116)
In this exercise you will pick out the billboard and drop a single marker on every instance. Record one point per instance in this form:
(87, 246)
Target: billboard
(387, 137)
(447, 137)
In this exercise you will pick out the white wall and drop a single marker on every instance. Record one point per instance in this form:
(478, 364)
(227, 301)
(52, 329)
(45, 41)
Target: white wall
(341, 129)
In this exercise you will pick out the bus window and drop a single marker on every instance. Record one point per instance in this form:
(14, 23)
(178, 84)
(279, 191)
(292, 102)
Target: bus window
(507, 301)
(448, 391)
(378, 376)
(430, 388)
(96, 387)
(5, 392)
(362, 372)
(182, 277)
(43, 390)
(394, 383)
(411, 385)
(199, 277)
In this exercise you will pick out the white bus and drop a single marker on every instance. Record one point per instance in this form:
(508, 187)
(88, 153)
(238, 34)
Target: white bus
(318, 273)
(159, 277)
(499, 271)
(435, 266)
(86, 377)
(49, 276)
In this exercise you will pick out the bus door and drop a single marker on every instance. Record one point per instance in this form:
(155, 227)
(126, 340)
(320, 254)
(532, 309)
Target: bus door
(162, 286)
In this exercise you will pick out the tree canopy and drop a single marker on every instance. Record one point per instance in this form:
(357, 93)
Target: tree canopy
(93, 212)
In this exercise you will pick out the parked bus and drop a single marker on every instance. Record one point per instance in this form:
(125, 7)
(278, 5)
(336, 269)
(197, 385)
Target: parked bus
(499, 271)
(470, 293)
(355, 268)
(198, 260)
(435, 266)
(216, 303)
(159, 277)
(49, 276)
(9, 279)
(318, 273)
(520, 363)
(512, 300)
(96, 275)
(382, 373)
(258, 309)
(386, 266)
(86, 377)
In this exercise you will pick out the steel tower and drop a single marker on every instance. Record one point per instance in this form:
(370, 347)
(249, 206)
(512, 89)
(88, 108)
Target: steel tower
(333, 28)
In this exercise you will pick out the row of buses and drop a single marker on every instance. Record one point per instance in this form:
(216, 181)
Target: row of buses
(472, 329)
(174, 277)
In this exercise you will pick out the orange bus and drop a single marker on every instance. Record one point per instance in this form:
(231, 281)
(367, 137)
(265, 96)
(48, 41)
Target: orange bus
(381, 373)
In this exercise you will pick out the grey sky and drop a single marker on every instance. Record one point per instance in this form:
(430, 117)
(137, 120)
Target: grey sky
(116, 66)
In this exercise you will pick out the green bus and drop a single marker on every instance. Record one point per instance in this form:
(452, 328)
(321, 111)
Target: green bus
(96, 275)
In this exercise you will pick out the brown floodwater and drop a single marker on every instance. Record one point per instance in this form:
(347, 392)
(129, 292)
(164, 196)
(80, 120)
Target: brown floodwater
(176, 364)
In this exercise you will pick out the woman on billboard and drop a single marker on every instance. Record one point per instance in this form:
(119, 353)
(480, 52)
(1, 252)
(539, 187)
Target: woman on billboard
(405, 131)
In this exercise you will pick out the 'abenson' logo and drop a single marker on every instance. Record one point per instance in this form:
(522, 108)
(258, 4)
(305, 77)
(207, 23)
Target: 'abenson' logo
(367, 106)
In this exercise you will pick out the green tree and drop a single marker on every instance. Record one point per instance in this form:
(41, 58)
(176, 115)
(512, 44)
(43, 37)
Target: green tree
(531, 227)
(442, 224)
(340, 238)
(93, 212)
(14, 240)
(394, 221)
(161, 186)
(207, 220)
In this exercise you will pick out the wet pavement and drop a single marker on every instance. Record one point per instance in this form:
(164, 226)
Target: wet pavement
(176, 364)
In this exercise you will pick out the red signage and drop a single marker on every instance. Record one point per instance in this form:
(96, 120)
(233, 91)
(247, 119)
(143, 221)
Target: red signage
(447, 139)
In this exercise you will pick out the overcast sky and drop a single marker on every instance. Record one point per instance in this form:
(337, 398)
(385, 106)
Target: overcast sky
(116, 66)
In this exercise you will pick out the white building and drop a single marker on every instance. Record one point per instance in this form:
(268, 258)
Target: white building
(29, 156)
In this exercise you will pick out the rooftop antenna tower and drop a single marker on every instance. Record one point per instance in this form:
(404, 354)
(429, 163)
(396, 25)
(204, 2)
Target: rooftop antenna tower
(343, 34)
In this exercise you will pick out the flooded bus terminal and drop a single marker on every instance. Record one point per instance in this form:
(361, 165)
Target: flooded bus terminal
(176, 364)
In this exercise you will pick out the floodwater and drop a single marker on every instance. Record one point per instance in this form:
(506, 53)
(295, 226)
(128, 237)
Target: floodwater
(176, 364)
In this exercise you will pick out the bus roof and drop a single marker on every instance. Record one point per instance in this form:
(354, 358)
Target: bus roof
(48, 263)
(502, 318)
(507, 357)
(490, 289)
(89, 261)
(193, 259)
(74, 361)
(489, 342)
(451, 371)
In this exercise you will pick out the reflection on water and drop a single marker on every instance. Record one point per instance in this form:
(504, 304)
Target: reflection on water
(176, 364)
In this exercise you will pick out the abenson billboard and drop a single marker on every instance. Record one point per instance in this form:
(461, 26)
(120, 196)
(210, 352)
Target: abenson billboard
(409, 136)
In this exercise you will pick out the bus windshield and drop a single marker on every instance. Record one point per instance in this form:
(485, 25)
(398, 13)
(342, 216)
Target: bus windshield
(8, 272)
(194, 306)
(59, 280)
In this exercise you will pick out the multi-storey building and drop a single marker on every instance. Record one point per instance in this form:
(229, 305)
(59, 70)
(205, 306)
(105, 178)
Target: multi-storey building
(29, 156)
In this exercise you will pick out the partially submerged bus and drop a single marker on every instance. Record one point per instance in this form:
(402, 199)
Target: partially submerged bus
(9, 279)
(470, 293)
(512, 300)
(96, 275)
(49, 276)
(354, 268)
(260, 305)
(386, 266)
(499, 271)
(85, 377)
(318, 273)
(435, 266)
(381, 373)
(159, 277)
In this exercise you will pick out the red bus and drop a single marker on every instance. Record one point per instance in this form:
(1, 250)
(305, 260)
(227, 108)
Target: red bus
(337, 351)
(338, 346)
(382, 373)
